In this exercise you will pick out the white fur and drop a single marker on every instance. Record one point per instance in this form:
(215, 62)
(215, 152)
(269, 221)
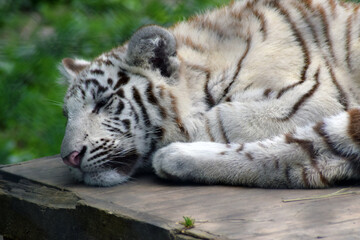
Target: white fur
(240, 78)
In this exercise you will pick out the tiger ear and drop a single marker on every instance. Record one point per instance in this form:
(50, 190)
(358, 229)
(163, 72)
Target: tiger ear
(72, 67)
(153, 47)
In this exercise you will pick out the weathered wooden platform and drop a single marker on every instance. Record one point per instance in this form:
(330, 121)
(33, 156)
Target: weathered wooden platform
(39, 200)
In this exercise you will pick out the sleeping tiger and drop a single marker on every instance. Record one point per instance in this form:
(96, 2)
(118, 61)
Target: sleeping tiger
(261, 93)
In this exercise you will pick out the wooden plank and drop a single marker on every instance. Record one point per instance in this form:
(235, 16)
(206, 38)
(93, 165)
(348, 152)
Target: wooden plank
(221, 212)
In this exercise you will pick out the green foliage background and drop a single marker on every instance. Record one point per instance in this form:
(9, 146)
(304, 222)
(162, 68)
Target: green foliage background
(36, 35)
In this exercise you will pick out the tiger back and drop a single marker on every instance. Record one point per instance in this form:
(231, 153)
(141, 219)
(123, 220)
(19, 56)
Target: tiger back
(259, 93)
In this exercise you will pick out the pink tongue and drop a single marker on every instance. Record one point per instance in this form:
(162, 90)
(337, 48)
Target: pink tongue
(73, 159)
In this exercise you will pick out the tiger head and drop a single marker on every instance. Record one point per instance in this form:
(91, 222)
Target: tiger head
(114, 118)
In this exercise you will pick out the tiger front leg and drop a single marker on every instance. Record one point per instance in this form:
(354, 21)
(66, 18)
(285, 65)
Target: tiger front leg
(211, 163)
(267, 164)
(251, 164)
(190, 162)
(315, 156)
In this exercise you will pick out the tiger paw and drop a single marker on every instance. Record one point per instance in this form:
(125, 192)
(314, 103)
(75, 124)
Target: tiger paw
(172, 162)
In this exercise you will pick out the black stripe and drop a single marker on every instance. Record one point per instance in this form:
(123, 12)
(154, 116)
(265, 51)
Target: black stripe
(349, 23)
(267, 92)
(320, 130)
(123, 164)
(93, 94)
(249, 156)
(83, 93)
(326, 32)
(208, 97)
(276, 164)
(261, 18)
(127, 124)
(100, 89)
(139, 101)
(302, 10)
(305, 178)
(248, 86)
(114, 121)
(177, 116)
(119, 108)
(208, 130)
(123, 79)
(110, 82)
(114, 55)
(120, 93)
(153, 100)
(303, 99)
(109, 103)
(191, 44)
(287, 175)
(96, 149)
(221, 126)
(100, 154)
(309, 148)
(240, 148)
(354, 159)
(238, 68)
(208, 25)
(156, 137)
(342, 98)
(112, 128)
(332, 4)
(306, 145)
(97, 72)
(91, 81)
(99, 105)
(305, 15)
(354, 125)
(108, 63)
(133, 111)
(302, 43)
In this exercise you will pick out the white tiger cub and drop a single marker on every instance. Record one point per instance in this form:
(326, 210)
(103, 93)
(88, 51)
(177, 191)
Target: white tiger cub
(260, 93)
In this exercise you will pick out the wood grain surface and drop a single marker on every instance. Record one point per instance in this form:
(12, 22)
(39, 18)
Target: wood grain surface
(150, 208)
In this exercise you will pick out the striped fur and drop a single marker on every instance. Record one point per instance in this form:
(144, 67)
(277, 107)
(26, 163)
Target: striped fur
(260, 93)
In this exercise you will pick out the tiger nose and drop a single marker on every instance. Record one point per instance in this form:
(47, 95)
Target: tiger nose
(73, 159)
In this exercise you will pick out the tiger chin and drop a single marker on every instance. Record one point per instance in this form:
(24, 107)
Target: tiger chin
(258, 93)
